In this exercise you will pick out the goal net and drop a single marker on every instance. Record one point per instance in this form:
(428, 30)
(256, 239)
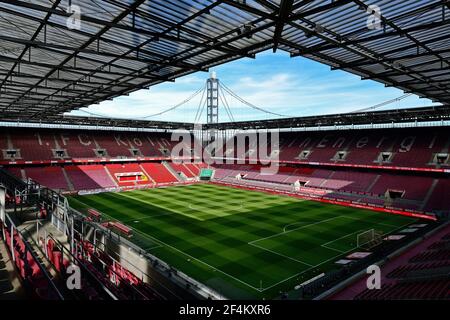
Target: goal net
(369, 239)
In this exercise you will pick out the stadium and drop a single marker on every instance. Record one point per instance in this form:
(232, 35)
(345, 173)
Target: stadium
(98, 207)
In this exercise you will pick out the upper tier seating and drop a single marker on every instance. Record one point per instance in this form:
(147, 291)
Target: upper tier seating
(49, 144)
(416, 147)
(32, 145)
(403, 147)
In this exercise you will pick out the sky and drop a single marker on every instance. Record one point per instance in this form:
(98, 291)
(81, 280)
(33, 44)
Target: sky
(292, 87)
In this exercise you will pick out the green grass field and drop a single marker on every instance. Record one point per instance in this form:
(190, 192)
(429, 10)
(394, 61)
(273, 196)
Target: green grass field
(244, 244)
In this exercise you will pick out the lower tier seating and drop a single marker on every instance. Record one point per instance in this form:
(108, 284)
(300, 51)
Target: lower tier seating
(89, 177)
(51, 177)
(420, 272)
(159, 173)
(183, 168)
(407, 192)
(128, 174)
(400, 191)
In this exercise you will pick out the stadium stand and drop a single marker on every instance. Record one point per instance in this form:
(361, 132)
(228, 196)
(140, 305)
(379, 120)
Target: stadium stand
(183, 168)
(358, 159)
(377, 188)
(159, 173)
(195, 167)
(44, 144)
(32, 145)
(403, 147)
(421, 192)
(84, 177)
(128, 174)
(421, 272)
(52, 177)
(424, 276)
(440, 200)
(374, 148)
(29, 269)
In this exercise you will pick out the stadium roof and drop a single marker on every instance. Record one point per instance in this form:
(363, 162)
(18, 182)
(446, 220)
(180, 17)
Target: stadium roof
(47, 68)
(412, 115)
(436, 115)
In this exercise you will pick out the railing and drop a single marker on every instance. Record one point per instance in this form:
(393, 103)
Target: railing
(180, 279)
(9, 231)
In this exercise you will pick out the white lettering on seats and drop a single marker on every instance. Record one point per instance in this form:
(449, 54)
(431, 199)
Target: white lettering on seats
(84, 139)
(64, 139)
(322, 143)
(305, 143)
(39, 138)
(361, 143)
(137, 142)
(406, 144)
(339, 142)
(119, 141)
(433, 141)
(380, 143)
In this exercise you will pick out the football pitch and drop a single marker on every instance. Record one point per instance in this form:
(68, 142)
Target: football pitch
(244, 244)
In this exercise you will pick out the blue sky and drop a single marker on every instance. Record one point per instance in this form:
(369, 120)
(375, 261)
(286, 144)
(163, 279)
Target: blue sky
(294, 87)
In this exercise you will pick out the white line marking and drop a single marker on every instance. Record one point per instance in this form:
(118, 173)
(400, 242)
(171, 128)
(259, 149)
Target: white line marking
(214, 268)
(295, 229)
(160, 206)
(280, 254)
(326, 247)
(323, 262)
(252, 243)
(380, 223)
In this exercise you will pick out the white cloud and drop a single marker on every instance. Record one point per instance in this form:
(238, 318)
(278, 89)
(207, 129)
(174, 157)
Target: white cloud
(291, 87)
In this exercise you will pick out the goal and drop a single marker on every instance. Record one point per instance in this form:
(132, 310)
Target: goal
(369, 239)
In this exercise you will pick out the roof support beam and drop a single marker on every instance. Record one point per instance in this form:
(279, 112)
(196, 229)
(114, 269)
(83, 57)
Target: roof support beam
(35, 35)
(283, 14)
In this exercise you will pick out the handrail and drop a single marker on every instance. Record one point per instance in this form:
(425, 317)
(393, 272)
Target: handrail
(62, 247)
(30, 250)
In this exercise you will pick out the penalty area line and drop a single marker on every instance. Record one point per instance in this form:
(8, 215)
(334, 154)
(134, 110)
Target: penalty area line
(281, 255)
(202, 262)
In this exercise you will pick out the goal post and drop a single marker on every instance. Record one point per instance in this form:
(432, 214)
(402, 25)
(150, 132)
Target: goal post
(369, 238)
(364, 238)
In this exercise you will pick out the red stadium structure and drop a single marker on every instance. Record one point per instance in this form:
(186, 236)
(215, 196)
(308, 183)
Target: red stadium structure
(402, 169)
(394, 161)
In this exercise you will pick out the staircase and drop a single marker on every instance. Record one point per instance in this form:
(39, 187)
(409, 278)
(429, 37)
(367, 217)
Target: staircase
(373, 183)
(173, 172)
(327, 178)
(429, 194)
(66, 177)
(23, 174)
(111, 177)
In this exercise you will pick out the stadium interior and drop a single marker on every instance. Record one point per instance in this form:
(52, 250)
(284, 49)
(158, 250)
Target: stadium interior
(116, 199)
